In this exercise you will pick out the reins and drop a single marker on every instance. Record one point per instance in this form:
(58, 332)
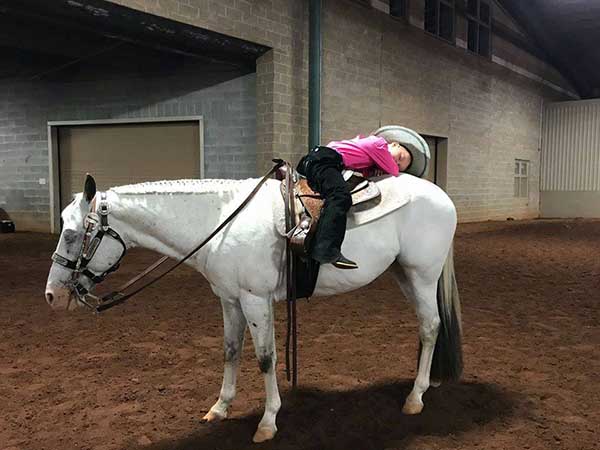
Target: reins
(290, 213)
(117, 297)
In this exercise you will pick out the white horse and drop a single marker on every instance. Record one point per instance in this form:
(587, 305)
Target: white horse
(244, 265)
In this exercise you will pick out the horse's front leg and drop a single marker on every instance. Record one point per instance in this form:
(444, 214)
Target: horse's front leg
(259, 316)
(234, 328)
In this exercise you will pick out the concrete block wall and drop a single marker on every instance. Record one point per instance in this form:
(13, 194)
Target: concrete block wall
(228, 108)
(282, 73)
(391, 72)
(380, 70)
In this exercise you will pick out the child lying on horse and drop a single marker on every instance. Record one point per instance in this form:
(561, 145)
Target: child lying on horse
(322, 167)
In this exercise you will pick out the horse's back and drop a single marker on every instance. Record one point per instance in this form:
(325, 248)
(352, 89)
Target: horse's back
(416, 234)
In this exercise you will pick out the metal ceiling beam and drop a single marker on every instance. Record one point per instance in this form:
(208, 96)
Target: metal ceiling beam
(528, 18)
(35, 37)
(107, 19)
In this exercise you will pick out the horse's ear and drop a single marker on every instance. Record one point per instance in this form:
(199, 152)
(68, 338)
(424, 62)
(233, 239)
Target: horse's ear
(89, 189)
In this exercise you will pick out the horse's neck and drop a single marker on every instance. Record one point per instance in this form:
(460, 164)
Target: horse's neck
(167, 222)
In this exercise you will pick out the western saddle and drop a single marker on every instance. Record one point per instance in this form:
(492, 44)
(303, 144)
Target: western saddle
(302, 210)
(303, 205)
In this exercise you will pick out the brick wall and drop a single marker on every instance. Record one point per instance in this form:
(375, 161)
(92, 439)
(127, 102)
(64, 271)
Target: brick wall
(281, 93)
(228, 108)
(380, 70)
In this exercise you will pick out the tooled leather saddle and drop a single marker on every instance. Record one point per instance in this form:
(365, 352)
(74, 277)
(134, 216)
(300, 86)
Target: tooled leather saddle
(304, 206)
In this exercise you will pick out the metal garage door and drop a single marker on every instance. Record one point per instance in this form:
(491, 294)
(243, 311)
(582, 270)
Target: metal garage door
(117, 154)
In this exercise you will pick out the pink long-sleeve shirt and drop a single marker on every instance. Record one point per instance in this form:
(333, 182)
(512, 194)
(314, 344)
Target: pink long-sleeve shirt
(366, 154)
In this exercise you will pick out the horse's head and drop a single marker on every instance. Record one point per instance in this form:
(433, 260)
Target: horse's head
(88, 249)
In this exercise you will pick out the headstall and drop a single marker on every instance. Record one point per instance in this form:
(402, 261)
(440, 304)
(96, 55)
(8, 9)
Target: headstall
(96, 228)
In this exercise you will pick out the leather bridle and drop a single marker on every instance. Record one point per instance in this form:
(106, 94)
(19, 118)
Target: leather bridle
(99, 221)
(96, 229)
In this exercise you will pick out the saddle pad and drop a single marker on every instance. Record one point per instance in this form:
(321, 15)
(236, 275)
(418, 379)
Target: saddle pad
(389, 201)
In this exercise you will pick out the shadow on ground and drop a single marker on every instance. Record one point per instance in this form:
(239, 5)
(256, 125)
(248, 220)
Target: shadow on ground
(368, 418)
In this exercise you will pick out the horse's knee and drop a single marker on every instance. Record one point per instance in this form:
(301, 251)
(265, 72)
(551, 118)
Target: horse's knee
(266, 361)
(231, 351)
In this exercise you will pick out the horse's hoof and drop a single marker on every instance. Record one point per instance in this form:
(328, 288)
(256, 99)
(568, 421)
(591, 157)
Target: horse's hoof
(264, 434)
(412, 408)
(212, 416)
(435, 383)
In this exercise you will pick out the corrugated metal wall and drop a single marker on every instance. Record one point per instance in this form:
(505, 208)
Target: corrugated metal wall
(571, 146)
(570, 168)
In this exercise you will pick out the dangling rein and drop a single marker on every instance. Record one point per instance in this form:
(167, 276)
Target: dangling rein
(117, 297)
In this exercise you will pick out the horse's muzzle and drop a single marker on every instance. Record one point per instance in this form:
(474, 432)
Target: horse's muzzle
(60, 298)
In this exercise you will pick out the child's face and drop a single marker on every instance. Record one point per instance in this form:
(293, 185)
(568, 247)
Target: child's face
(402, 156)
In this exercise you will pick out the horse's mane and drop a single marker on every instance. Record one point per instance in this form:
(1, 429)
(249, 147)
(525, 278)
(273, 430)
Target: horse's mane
(191, 186)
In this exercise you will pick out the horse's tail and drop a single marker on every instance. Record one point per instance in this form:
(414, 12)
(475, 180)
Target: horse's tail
(447, 364)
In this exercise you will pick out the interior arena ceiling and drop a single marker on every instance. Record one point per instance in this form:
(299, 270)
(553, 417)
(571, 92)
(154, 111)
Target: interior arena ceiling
(40, 36)
(65, 39)
(568, 32)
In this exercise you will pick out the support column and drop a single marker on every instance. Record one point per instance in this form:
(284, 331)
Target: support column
(314, 74)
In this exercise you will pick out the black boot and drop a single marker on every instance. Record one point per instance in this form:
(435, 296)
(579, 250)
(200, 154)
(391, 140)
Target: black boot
(344, 263)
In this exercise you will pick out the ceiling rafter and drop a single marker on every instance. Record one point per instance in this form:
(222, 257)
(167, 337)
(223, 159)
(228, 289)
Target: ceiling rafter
(568, 33)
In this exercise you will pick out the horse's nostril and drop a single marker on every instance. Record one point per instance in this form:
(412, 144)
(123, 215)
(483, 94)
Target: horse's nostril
(49, 297)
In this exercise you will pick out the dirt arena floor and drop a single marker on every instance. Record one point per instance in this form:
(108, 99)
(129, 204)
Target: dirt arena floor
(140, 376)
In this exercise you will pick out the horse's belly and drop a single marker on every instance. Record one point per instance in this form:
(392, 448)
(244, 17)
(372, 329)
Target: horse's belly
(373, 246)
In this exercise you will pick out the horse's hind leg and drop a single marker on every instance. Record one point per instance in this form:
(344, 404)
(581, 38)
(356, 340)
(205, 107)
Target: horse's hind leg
(422, 292)
(259, 315)
(234, 327)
